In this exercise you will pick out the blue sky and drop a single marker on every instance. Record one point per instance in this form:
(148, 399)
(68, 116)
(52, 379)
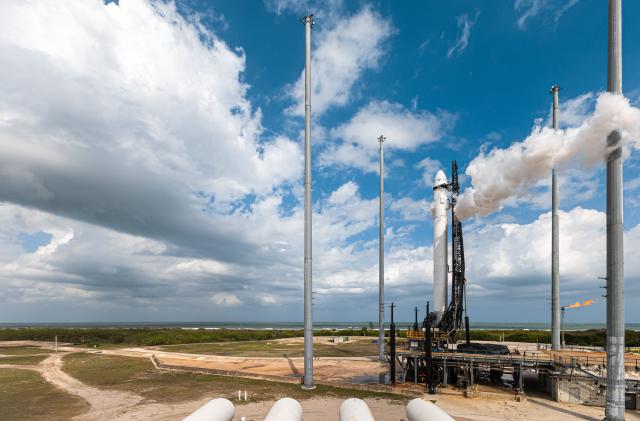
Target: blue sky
(153, 170)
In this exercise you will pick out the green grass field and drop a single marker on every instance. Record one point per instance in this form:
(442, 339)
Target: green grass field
(22, 350)
(23, 359)
(155, 336)
(120, 337)
(362, 348)
(591, 337)
(138, 375)
(25, 395)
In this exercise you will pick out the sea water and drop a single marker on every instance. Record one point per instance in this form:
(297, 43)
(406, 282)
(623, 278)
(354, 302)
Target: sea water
(299, 325)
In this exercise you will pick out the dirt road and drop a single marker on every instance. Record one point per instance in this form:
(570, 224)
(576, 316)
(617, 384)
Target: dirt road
(105, 404)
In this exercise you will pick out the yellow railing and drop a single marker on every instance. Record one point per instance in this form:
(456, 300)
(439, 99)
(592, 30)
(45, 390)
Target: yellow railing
(415, 334)
(419, 334)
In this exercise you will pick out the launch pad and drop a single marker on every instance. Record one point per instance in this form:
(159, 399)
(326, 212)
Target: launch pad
(432, 354)
(569, 375)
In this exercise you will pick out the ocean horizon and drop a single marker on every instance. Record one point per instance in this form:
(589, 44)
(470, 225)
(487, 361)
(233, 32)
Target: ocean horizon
(300, 325)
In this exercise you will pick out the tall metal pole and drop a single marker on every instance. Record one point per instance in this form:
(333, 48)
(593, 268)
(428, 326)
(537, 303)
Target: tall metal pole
(614, 410)
(308, 299)
(381, 140)
(555, 242)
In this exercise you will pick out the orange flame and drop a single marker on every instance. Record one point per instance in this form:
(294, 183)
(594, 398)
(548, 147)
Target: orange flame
(578, 304)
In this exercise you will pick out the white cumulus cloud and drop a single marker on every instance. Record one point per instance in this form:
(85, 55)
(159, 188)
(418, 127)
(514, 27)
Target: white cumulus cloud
(405, 129)
(340, 54)
(131, 117)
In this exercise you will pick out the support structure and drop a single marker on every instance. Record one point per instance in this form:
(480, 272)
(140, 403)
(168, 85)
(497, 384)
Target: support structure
(308, 287)
(562, 342)
(392, 348)
(430, 381)
(467, 334)
(381, 140)
(614, 410)
(555, 241)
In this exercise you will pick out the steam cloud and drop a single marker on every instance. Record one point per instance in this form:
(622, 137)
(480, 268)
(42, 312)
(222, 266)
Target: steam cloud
(499, 174)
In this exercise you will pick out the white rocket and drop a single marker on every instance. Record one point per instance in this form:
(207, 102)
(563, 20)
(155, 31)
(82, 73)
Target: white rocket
(440, 266)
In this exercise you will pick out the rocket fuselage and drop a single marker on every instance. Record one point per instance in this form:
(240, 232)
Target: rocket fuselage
(440, 242)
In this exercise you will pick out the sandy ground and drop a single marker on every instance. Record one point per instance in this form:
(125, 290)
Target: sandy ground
(326, 368)
(116, 405)
(324, 409)
(462, 409)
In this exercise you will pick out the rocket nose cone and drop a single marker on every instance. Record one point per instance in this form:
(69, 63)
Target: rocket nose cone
(440, 179)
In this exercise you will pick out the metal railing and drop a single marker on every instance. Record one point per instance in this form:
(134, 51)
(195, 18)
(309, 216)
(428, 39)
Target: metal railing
(530, 358)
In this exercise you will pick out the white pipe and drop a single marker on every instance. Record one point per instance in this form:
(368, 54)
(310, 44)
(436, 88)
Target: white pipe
(355, 410)
(215, 410)
(440, 269)
(419, 410)
(285, 409)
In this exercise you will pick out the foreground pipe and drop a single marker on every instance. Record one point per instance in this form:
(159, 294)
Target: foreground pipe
(215, 410)
(285, 409)
(419, 410)
(355, 410)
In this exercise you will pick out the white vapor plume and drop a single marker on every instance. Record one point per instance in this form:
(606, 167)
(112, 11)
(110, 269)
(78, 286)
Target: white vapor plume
(500, 174)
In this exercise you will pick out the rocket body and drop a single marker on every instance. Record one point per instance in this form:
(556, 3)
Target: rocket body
(440, 224)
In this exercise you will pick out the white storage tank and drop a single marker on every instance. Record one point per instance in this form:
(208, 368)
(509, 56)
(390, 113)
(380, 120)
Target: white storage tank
(355, 410)
(285, 409)
(420, 410)
(215, 410)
